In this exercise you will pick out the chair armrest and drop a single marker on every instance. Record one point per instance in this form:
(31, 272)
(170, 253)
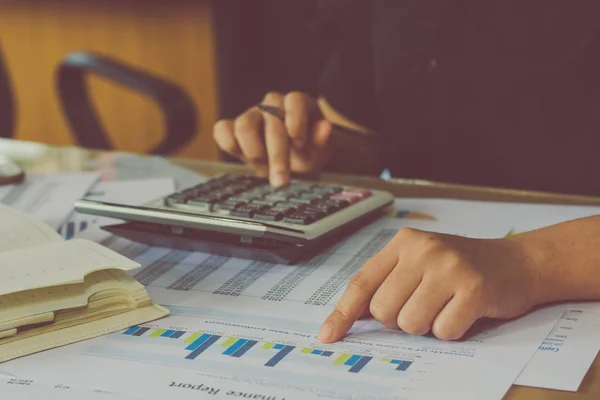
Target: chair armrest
(181, 121)
(7, 105)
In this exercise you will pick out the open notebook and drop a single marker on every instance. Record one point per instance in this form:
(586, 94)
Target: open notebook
(55, 292)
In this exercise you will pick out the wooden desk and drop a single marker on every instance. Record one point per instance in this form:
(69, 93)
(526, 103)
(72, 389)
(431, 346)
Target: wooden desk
(73, 159)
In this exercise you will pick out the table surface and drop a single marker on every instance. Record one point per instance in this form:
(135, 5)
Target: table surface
(65, 159)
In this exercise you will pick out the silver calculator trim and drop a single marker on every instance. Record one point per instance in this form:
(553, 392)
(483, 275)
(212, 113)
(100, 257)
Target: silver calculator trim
(156, 212)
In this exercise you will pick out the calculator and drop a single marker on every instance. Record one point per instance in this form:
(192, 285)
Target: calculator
(244, 216)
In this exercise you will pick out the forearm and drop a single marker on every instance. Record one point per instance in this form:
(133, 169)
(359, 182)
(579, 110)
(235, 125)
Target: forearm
(567, 259)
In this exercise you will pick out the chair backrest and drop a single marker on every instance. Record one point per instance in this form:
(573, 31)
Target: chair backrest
(7, 105)
(179, 109)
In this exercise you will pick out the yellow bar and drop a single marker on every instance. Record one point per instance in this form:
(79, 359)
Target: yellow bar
(229, 341)
(386, 359)
(192, 338)
(268, 346)
(158, 332)
(342, 359)
(306, 351)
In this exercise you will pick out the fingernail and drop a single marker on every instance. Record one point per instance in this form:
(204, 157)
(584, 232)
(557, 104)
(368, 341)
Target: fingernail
(279, 179)
(325, 333)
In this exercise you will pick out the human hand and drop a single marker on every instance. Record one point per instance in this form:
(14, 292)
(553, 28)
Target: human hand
(275, 147)
(425, 282)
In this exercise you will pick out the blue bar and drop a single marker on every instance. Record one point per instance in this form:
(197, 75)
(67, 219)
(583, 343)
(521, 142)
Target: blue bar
(396, 361)
(247, 346)
(131, 330)
(316, 352)
(70, 230)
(234, 347)
(167, 333)
(403, 366)
(352, 360)
(203, 347)
(327, 353)
(278, 346)
(177, 335)
(279, 356)
(141, 331)
(198, 342)
(360, 364)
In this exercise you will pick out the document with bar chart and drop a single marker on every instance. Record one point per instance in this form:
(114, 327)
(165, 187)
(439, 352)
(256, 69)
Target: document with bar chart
(243, 328)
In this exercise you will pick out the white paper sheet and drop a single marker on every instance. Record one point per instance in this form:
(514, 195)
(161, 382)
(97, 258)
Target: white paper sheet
(132, 192)
(126, 166)
(564, 358)
(48, 197)
(516, 217)
(27, 389)
(284, 305)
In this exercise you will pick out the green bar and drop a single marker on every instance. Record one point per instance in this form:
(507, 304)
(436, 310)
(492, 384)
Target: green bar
(306, 351)
(268, 346)
(229, 342)
(158, 332)
(192, 338)
(386, 359)
(342, 359)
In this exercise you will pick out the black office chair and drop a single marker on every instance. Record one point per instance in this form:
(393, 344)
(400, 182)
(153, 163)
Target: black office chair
(7, 105)
(181, 118)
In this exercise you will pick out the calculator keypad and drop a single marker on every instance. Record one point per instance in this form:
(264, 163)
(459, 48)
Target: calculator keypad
(252, 197)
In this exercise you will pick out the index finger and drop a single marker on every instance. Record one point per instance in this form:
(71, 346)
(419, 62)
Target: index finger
(278, 151)
(357, 295)
(298, 107)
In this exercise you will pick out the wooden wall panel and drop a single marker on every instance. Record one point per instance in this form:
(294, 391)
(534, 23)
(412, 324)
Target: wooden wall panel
(172, 38)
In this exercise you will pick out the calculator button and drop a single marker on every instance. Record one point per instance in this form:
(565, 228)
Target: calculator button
(277, 197)
(176, 199)
(298, 219)
(346, 197)
(225, 208)
(246, 211)
(312, 212)
(337, 203)
(361, 193)
(288, 207)
(242, 199)
(269, 215)
(328, 189)
(300, 200)
(204, 203)
(264, 202)
(324, 208)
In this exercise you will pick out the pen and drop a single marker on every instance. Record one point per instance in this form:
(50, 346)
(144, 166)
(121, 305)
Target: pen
(279, 113)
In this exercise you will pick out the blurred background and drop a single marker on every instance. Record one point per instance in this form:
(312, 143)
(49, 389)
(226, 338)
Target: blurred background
(75, 68)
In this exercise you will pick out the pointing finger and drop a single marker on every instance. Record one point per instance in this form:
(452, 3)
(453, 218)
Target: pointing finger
(357, 296)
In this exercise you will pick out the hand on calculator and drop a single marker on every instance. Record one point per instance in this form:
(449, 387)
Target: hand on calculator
(275, 147)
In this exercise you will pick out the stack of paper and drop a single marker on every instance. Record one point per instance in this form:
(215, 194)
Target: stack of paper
(49, 197)
(248, 329)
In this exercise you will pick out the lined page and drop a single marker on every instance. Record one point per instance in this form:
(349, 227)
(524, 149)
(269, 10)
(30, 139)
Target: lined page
(53, 264)
(19, 230)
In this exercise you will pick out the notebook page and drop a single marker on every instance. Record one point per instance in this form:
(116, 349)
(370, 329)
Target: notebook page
(53, 264)
(19, 230)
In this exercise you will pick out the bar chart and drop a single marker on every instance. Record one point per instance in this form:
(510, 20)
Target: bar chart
(72, 228)
(197, 343)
